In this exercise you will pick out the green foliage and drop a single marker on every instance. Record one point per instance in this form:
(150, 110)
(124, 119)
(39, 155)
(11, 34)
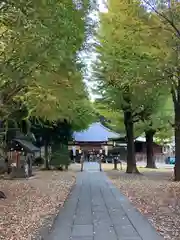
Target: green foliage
(129, 69)
(164, 120)
(159, 118)
(40, 67)
(60, 157)
(58, 132)
(114, 117)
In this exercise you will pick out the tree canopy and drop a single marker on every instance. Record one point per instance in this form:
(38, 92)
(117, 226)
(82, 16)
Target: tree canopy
(40, 66)
(130, 66)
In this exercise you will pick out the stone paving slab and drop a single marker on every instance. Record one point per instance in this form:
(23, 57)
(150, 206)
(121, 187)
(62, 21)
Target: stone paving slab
(82, 238)
(82, 231)
(96, 210)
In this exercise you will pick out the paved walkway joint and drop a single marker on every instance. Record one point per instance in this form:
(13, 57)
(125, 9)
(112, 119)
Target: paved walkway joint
(96, 210)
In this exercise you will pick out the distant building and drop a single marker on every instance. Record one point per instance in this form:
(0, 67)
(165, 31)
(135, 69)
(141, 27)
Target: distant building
(96, 137)
(140, 146)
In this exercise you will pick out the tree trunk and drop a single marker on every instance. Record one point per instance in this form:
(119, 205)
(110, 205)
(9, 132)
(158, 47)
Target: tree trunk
(82, 163)
(115, 164)
(177, 141)
(149, 149)
(129, 125)
(46, 152)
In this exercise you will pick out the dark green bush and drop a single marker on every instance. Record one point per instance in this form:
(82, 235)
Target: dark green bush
(38, 161)
(60, 158)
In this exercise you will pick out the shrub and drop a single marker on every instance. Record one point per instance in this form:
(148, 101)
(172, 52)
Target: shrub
(38, 161)
(60, 158)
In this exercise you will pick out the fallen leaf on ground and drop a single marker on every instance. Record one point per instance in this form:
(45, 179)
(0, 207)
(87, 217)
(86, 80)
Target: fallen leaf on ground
(156, 196)
(30, 202)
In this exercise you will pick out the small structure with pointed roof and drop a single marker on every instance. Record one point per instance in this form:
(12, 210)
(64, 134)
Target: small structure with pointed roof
(96, 133)
(96, 137)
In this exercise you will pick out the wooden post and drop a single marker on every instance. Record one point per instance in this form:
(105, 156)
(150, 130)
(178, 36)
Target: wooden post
(17, 159)
(119, 160)
(82, 163)
(100, 163)
(120, 165)
(115, 160)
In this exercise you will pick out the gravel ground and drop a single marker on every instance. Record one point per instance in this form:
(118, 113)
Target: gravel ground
(30, 202)
(156, 196)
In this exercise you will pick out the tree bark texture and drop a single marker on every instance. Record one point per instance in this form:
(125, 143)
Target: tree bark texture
(177, 142)
(149, 149)
(115, 164)
(129, 125)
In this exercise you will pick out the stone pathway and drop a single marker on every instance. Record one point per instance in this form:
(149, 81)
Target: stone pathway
(96, 210)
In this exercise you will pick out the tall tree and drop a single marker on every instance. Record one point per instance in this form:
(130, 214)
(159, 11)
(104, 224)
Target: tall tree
(156, 121)
(123, 64)
(167, 15)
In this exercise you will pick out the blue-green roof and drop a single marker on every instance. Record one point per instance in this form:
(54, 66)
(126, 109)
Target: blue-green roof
(95, 133)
